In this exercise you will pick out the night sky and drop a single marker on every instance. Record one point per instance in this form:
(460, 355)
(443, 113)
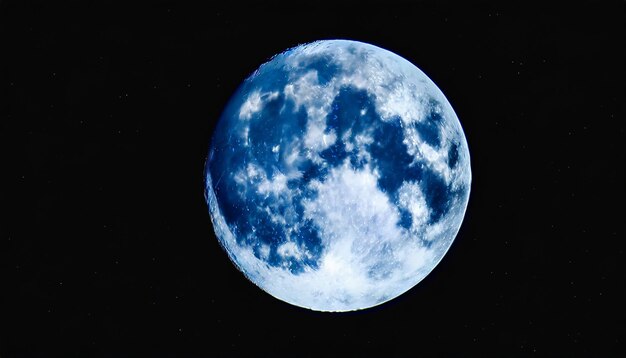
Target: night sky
(106, 244)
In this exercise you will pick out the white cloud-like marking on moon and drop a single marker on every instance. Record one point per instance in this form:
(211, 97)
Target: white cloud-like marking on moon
(366, 257)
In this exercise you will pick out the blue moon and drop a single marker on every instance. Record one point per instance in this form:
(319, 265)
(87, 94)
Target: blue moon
(338, 176)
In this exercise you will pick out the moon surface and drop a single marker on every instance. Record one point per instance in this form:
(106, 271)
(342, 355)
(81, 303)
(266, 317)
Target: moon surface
(337, 176)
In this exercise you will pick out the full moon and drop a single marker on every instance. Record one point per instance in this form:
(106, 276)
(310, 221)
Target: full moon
(337, 176)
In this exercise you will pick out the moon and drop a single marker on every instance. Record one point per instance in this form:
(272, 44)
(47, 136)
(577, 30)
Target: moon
(338, 176)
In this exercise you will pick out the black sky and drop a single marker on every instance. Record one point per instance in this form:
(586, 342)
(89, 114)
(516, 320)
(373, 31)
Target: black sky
(107, 248)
